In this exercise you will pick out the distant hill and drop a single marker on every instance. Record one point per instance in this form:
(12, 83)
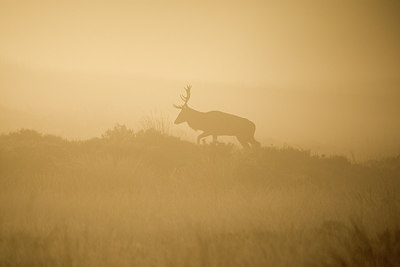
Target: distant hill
(30, 151)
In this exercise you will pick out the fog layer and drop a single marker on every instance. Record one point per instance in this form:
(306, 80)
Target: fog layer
(315, 75)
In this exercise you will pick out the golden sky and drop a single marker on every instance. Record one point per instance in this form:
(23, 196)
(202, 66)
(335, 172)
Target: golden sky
(251, 42)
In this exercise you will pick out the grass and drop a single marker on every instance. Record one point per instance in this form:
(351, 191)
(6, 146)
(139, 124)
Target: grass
(149, 199)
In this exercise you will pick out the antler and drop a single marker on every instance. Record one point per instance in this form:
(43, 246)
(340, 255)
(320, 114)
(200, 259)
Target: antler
(185, 98)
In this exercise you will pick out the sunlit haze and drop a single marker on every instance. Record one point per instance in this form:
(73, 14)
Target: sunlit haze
(200, 133)
(319, 75)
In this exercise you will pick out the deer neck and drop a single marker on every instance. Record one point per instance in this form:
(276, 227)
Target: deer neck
(195, 119)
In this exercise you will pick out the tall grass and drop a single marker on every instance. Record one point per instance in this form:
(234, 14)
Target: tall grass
(149, 199)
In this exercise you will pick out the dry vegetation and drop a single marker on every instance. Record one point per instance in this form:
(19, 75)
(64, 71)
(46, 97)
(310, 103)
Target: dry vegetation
(149, 199)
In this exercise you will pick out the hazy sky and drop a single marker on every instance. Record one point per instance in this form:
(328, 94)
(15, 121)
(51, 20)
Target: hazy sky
(251, 42)
(322, 71)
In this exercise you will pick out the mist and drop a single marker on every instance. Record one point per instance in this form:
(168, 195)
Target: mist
(95, 172)
(81, 105)
(315, 75)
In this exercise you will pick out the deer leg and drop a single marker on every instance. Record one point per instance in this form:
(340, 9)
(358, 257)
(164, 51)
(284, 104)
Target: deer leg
(243, 141)
(254, 142)
(202, 135)
(215, 141)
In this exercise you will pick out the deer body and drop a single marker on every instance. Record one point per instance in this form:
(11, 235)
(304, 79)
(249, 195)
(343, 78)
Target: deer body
(217, 123)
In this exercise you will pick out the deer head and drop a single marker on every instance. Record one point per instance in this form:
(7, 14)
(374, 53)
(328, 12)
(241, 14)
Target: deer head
(183, 115)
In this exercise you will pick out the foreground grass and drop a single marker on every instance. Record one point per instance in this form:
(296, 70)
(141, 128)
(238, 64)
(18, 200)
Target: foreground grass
(146, 199)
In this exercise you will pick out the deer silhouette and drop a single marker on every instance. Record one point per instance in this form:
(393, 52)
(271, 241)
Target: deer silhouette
(216, 123)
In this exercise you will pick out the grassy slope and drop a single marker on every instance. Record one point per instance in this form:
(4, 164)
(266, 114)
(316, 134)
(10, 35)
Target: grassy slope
(148, 199)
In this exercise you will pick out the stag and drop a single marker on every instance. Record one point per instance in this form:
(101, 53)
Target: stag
(216, 123)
